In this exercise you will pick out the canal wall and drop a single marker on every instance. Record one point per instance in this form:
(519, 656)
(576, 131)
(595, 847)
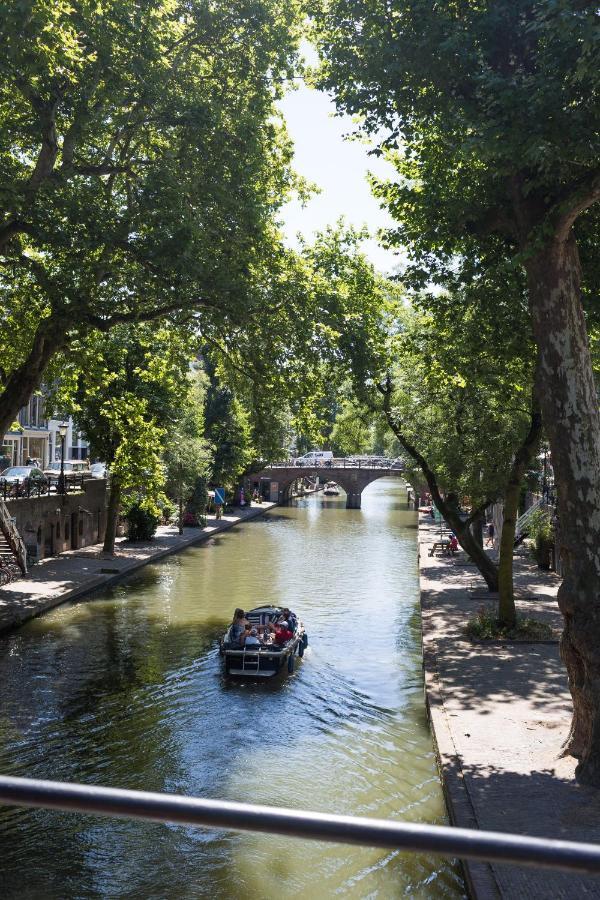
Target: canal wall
(499, 713)
(77, 573)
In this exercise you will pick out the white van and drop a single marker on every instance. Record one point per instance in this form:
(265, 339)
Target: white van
(316, 458)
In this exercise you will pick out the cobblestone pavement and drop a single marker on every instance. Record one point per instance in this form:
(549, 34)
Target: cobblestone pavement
(500, 713)
(78, 572)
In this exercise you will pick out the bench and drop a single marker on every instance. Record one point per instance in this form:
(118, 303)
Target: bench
(442, 547)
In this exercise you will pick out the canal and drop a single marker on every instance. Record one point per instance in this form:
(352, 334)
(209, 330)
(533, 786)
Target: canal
(126, 690)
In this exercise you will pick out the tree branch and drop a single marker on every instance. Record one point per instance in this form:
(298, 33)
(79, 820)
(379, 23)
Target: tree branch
(574, 200)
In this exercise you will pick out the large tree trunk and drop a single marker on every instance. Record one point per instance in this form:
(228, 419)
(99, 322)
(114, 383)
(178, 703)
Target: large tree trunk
(472, 547)
(112, 515)
(572, 421)
(24, 380)
(507, 613)
(477, 529)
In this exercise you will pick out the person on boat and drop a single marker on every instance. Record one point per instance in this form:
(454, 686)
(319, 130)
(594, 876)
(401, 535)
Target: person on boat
(283, 633)
(291, 618)
(237, 627)
(251, 638)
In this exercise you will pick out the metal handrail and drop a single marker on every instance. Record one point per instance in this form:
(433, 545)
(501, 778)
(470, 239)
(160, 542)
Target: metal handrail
(335, 463)
(524, 519)
(465, 843)
(11, 533)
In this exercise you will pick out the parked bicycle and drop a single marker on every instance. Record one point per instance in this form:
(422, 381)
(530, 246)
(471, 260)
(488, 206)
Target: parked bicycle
(9, 570)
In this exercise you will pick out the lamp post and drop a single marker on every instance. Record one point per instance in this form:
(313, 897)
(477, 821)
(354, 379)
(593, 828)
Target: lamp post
(62, 430)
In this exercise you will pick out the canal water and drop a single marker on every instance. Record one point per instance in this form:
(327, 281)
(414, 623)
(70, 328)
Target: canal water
(126, 690)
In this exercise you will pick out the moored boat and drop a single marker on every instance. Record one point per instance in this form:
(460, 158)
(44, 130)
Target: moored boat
(268, 659)
(331, 489)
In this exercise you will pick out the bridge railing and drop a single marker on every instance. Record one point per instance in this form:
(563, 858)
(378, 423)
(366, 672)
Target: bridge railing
(464, 843)
(335, 463)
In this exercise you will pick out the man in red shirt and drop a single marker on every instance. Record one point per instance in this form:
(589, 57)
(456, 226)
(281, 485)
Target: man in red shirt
(283, 633)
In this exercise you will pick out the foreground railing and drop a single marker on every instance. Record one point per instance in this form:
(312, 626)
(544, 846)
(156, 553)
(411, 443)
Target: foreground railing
(441, 840)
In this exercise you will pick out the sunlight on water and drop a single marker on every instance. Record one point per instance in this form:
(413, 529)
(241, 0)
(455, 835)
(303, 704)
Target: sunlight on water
(126, 690)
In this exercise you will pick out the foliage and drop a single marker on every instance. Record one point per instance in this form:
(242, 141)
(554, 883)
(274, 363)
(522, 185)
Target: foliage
(540, 530)
(540, 526)
(353, 430)
(227, 428)
(485, 626)
(142, 522)
(124, 390)
(142, 162)
(476, 104)
(198, 501)
(187, 454)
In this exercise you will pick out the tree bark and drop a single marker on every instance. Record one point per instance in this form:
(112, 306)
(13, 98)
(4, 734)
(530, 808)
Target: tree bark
(507, 613)
(24, 380)
(477, 529)
(570, 409)
(112, 515)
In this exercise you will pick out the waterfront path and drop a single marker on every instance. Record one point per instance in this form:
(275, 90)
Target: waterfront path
(78, 572)
(500, 712)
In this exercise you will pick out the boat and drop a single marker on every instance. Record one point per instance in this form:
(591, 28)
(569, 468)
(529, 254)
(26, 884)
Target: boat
(331, 489)
(268, 660)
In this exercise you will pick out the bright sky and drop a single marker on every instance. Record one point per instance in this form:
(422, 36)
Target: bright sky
(339, 167)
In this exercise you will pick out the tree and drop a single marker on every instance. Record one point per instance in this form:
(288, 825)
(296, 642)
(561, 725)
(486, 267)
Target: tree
(187, 454)
(142, 161)
(493, 110)
(452, 378)
(125, 390)
(353, 429)
(228, 431)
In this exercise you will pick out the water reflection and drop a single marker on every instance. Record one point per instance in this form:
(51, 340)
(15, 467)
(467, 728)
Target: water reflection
(127, 690)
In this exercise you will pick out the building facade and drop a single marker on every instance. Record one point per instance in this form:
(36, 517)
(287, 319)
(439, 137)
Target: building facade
(38, 438)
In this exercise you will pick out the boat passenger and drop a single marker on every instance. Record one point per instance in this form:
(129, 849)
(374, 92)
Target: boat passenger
(291, 618)
(283, 633)
(250, 638)
(237, 627)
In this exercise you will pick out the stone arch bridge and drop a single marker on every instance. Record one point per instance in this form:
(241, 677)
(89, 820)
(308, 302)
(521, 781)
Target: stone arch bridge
(352, 478)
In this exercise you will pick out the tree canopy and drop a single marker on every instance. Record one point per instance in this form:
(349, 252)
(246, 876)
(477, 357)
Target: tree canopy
(142, 160)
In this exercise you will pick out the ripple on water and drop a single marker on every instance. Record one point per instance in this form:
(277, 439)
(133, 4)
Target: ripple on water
(127, 690)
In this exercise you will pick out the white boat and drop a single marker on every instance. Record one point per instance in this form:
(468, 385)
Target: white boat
(331, 489)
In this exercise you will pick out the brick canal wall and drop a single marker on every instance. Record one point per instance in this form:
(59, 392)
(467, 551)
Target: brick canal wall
(54, 523)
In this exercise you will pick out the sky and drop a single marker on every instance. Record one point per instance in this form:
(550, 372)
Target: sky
(339, 167)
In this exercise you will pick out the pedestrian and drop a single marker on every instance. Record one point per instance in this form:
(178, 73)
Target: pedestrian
(490, 535)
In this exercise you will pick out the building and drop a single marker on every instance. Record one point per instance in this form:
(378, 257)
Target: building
(38, 438)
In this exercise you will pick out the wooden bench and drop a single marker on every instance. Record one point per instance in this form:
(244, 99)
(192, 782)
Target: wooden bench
(439, 547)
(443, 547)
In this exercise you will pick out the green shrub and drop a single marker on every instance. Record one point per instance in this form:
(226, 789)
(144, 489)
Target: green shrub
(541, 532)
(168, 511)
(142, 523)
(197, 502)
(485, 627)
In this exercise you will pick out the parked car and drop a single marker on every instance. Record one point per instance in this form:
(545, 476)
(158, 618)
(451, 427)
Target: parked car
(18, 479)
(98, 470)
(316, 458)
(72, 468)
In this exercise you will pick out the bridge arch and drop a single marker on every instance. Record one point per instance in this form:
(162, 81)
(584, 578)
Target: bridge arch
(352, 479)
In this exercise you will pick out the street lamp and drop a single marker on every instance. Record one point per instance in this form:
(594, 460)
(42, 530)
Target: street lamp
(62, 430)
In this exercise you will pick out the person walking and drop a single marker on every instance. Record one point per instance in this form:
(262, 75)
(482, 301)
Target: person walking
(490, 535)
